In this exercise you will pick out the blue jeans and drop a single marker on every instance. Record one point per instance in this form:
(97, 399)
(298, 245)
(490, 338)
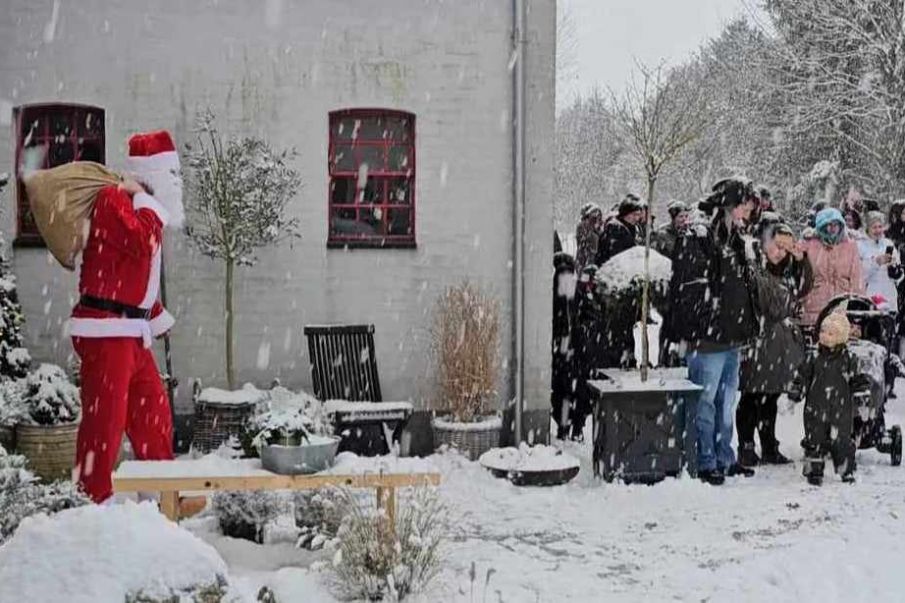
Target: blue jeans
(717, 373)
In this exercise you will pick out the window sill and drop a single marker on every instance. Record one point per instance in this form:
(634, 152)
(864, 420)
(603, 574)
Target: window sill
(25, 241)
(371, 244)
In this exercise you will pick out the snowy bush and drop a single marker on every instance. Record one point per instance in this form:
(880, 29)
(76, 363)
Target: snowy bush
(284, 417)
(22, 496)
(50, 397)
(318, 515)
(243, 514)
(13, 409)
(216, 591)
(239, 189)
(465, 339)
(376, 562)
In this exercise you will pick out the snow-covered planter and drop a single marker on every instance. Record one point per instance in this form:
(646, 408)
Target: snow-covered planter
(465, 341)
(47, 435)
(531, 465)
(244, 514)
(374, 561)
(222, 414)
(13, 411)
(644, 430)
(117, 553)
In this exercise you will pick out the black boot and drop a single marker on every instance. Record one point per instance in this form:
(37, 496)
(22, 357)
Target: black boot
(848, 477)
(746, 455)
(774, 457)
(738, 469)
(813, 470)
(714, 477)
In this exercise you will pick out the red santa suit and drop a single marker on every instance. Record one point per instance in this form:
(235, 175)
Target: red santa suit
(119, 314)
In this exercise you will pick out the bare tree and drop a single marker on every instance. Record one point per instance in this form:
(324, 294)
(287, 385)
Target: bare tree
(660, 116)
(239, 188)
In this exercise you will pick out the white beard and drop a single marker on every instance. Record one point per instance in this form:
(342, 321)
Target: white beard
(166, 187)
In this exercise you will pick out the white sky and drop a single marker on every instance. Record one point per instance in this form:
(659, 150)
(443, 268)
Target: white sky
(611, 34)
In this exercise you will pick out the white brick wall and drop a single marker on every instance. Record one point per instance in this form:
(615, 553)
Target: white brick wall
(153, 64)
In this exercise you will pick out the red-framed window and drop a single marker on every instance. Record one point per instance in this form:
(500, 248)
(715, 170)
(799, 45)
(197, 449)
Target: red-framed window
(371, 163)
(48, 135)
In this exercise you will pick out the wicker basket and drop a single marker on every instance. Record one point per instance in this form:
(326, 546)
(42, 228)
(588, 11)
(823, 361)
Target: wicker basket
(215, 422)
(471, 439)
(50, 449)
(8, 437)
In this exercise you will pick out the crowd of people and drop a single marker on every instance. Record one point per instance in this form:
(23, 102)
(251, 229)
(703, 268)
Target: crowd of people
(742, 313)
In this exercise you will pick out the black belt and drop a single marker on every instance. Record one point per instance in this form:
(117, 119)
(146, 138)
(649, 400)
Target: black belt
(108, 305)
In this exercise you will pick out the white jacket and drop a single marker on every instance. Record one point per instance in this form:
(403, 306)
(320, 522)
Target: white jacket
(876, 277)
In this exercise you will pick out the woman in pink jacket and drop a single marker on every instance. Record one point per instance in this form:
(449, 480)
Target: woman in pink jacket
(835, 262)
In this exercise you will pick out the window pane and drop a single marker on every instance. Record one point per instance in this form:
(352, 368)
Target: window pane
(372, 156)
(398, 191)
(371, 128)
(344, 223)
(93, 124)
(344, 158)
(342, 190)
(90, 150)
(61, 152)
(399, 222)
(397, 129)
(372, 191)
(32, 130)
(399, 158)
(61, 126)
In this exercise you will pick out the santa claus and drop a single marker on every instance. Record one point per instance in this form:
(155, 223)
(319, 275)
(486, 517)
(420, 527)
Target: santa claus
(119, 314)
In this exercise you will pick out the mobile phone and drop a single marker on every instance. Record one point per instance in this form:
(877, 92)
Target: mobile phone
(889, 250)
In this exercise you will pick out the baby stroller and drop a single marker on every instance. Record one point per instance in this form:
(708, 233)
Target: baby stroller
(874, 350)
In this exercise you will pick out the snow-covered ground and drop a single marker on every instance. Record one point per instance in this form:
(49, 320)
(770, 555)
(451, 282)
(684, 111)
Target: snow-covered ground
(768, 538)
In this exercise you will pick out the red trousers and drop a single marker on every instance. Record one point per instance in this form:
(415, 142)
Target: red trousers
(121, 391)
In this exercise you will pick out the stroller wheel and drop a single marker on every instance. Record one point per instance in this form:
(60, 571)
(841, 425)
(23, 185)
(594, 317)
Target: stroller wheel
(895, 454)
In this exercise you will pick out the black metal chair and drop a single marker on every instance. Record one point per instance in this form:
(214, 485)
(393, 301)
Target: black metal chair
(344, 367)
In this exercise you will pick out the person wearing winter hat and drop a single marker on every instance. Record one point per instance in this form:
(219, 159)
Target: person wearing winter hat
(119, 312)
(622, 233)
(769, 366)
(829, 382)
(880, 262)
(835, 262)
(712, 289)
(587, 235)
(665, 237)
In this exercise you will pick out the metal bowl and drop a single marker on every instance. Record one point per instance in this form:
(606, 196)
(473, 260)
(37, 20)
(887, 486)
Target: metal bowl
(299, 460)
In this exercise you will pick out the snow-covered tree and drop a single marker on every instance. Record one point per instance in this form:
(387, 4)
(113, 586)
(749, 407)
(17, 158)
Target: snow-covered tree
(841, 73)
(659, 116)
(239, 188)
(14, 358)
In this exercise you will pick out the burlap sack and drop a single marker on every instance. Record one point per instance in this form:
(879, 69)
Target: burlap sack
(61, 201)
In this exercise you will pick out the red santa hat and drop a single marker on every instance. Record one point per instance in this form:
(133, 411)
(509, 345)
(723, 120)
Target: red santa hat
(153, 161)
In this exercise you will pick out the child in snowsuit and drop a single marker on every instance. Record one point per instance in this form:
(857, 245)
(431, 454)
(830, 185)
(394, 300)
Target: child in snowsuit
(830, 382)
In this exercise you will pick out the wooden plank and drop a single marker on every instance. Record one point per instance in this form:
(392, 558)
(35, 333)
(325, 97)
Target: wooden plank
(169, 504)
(390, 503)
(273, 482)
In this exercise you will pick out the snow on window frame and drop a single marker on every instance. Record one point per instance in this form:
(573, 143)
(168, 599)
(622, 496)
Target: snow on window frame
(79, 138)
(346, 133)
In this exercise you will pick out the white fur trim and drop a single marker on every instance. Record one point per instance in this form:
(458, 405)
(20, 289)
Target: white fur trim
(161, 162)
(161, 323)
(146, 201)
(153, 287)
(111, 327)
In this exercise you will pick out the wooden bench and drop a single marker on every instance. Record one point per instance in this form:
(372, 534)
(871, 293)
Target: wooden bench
(170, 478)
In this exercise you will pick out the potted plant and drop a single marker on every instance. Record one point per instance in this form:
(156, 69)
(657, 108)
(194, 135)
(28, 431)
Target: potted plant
(289, 444)
(47, 434)
(465, 341)
(12, 411)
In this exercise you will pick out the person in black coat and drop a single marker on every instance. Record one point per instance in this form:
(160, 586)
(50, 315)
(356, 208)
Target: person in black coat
(830, 383)
(714, 291)
(590, 345)
(896, 234)
(621, 233)
(563, 386)
(769, 365)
